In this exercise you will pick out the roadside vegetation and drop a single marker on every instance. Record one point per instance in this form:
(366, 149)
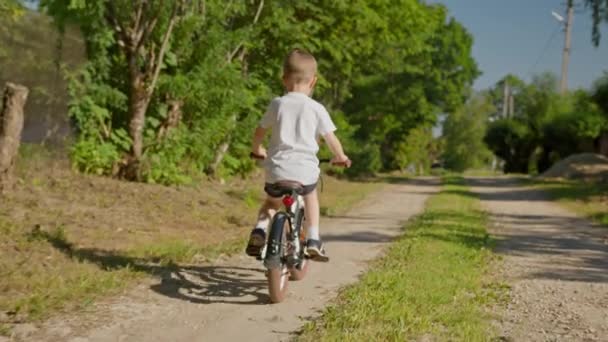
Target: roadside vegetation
(67, 239)
(589, 199)
(435, 282)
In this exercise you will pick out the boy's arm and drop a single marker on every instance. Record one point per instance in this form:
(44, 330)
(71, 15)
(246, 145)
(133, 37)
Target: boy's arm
(336, 148)
(256, 145)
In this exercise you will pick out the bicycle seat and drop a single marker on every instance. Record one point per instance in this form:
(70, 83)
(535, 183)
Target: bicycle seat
(287, 187)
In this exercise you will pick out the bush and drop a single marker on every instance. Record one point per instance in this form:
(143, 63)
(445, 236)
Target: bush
(91, 156)
(511, 141)
(366, 162)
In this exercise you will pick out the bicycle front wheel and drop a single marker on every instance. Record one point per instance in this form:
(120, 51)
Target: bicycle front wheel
(278, 272)
(298, 272)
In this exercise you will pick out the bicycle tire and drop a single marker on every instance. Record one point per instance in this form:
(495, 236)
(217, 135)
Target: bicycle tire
(278, 272)
(299, 272)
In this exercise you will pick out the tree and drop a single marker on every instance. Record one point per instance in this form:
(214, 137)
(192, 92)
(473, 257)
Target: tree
(547, 126)
(464, 131)
(599, 14)
(398, 62)
(429, 70)
(131, 38)
(600, 97)
(511, 141)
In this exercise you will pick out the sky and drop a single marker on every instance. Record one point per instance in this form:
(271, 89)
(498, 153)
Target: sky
(511, 36)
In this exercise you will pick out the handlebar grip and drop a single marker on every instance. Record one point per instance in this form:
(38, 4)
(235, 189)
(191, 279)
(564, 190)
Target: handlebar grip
(343, 164)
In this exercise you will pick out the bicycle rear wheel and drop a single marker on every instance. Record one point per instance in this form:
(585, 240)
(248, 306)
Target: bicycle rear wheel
(278, 272)
(298, 272)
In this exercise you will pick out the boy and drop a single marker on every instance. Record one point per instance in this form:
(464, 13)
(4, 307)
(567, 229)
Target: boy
(296, 121)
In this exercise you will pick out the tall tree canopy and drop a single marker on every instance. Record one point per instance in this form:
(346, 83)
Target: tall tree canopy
(174, 87)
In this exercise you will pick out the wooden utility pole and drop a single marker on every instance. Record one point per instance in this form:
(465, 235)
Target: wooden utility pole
(11, 125)
(567, 45)
(505, 100)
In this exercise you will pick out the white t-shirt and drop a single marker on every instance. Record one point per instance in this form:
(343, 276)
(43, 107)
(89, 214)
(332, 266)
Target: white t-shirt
(296, 122)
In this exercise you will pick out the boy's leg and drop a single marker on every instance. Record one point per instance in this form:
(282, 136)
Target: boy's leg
(314, 246)
(257, 239)
(311, 212)
(267, 211)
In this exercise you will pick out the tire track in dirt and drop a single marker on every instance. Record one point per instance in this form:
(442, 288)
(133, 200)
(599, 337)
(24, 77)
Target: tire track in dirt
(555, 262)
(228, 300)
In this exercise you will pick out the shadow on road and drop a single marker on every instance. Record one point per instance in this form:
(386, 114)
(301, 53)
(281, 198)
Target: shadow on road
(549, 245)
(197, 284)
(216, 284)
(365, 237)
(571, 247)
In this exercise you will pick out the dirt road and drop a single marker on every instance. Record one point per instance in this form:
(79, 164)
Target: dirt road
(556, 263)
(228, 301)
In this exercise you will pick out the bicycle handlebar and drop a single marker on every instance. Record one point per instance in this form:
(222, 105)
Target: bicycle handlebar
(323, 160)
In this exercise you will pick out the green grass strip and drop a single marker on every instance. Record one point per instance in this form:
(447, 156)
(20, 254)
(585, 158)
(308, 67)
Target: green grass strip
(589, 199)
(432, 284)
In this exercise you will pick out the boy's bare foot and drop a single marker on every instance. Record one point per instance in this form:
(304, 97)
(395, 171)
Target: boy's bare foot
(315, 251)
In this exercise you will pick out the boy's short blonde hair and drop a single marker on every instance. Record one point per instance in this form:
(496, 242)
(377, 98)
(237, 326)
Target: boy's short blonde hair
(299, 66)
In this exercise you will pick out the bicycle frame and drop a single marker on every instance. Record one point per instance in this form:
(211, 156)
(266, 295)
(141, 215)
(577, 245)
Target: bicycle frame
(293, 215)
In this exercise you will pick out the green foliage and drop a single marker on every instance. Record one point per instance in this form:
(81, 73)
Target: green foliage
(464, 131)
(222, 66)
(367, 161)
(10, 9)
(599, 14)
(600, 93)
(574, 131)
(92, 156)
(510, 139)
(546, 126)
(413, 152)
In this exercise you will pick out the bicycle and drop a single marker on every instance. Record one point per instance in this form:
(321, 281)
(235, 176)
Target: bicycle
(284, 254)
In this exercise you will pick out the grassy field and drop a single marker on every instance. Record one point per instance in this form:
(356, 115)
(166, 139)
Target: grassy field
(66, 239)
(433, 284)
(588, 199)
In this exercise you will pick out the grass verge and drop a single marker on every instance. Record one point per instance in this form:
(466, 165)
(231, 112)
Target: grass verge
(432, 284)
(589, 199)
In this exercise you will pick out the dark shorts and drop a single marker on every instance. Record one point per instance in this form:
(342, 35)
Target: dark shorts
(274, 190)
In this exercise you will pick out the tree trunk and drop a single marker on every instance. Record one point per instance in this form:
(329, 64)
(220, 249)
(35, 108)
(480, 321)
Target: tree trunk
(219, 156)
(139, 99)
(138, 104)
(11, 125)
(603, 144)
(174, 116)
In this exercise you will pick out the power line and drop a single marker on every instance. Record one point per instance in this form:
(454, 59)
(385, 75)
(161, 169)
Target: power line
(547, 45)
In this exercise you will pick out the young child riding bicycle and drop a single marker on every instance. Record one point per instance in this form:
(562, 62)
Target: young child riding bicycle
(296, 121)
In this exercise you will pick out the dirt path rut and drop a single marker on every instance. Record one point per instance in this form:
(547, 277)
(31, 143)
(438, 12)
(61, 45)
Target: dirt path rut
(228, 301)
(556, 263)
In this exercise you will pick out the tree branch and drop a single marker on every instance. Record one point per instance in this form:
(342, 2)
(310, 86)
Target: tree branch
(163, 48)
(233, 53)
(240, 45)
(146, 31)
(257, 14)
(123, 39)
(141, 4)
